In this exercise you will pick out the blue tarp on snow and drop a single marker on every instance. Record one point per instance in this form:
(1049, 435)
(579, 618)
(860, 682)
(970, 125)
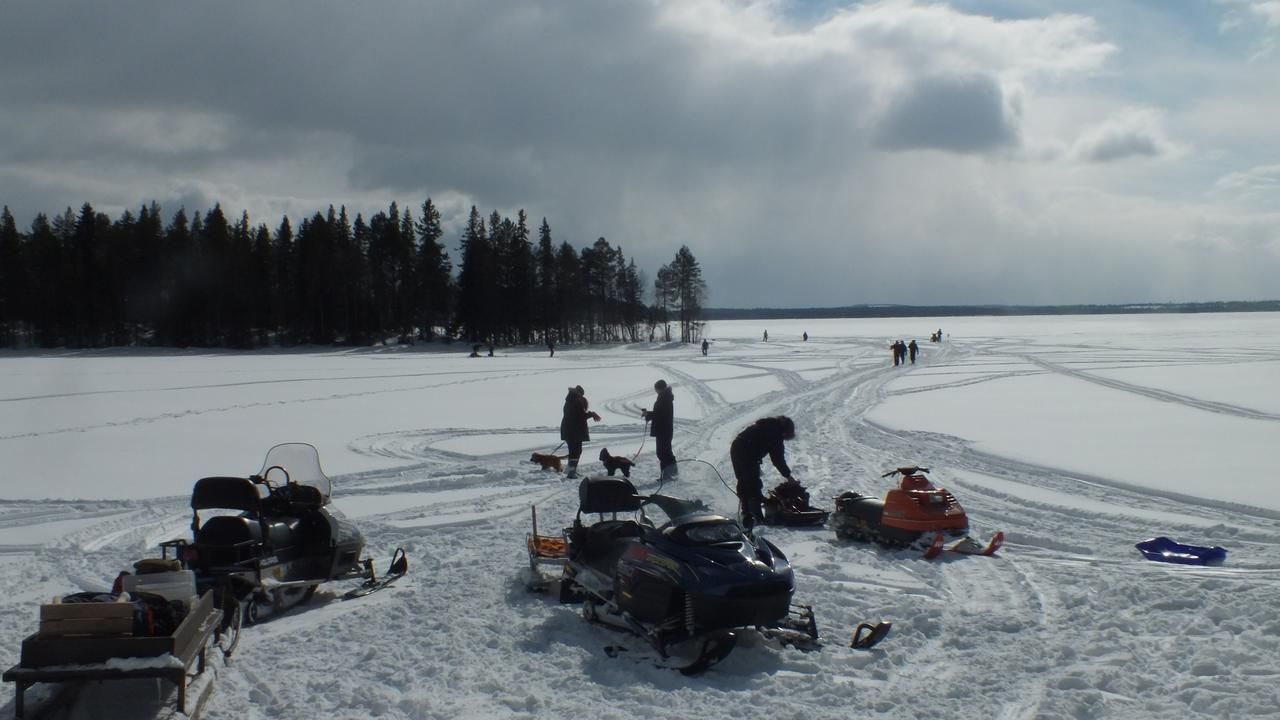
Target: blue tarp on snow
(1163, 549)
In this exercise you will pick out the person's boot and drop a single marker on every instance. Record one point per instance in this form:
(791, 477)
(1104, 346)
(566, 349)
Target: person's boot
(571, 472)
(670, 472)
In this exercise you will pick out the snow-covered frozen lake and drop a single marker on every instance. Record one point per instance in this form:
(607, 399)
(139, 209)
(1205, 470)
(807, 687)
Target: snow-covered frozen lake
(1078, 436)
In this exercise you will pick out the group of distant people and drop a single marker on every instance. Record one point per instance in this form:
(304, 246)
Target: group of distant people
(763, 438)
(574, 430)
(902, 350)
(766, 437)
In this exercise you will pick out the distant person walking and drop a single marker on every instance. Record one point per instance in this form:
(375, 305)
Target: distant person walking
(766, 336)
(705, 347)
(765, 436)
(899, 352)
(573, 426)
(551, 347)
(805, 335)
(662, 427)
(913, 348)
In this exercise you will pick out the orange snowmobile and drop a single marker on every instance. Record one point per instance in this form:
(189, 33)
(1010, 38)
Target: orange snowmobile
(916, 513)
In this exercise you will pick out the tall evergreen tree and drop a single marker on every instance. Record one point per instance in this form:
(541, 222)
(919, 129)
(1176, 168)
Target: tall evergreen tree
(691, 290)
(548, 316)
(284, 286)
(181, 260)
(475, 281)
(47, 299)
(13, 281)
(432, 273)
(569, 293)
(144, 276)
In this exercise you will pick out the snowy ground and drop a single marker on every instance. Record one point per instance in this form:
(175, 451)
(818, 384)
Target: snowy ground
(1078, 436)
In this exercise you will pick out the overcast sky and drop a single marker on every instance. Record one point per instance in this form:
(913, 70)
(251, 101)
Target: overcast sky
(810, 153)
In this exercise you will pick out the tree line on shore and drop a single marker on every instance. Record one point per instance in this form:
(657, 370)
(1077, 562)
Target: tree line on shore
(205, 280)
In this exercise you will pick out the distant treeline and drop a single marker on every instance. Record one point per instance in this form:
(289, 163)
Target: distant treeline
(879, 311)
(84, 280)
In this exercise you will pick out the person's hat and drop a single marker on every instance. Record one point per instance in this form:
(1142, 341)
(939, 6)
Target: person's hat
(788, 427)
(578, 389)
(660, 385)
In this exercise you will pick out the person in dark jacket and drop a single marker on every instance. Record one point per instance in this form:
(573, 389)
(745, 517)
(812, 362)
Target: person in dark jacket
(763, 437)
(662, 426)
(913, 349)
(573, 426)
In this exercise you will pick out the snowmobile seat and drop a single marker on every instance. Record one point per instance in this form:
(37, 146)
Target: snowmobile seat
(230, 493)
(607, 538)
(607, 495)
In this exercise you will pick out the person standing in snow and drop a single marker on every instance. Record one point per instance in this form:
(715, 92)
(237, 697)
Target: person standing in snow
(662, 427)
(573, 426)
(765, 436)
(913, 348)
(705, 346)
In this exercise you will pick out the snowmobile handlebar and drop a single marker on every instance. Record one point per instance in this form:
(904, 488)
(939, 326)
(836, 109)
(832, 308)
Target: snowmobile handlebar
(265, 477)
(905, 471)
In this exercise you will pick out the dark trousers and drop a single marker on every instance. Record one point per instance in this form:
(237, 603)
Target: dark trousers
(747, 470)
(575, 450)
(665, 455)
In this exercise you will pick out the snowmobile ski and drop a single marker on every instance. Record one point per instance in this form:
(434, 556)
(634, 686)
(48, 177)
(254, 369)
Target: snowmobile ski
(935, 548)
(369, 587)
(399, 566)
(714, 648)
(965, 546)
(969, 546)
(867, 636)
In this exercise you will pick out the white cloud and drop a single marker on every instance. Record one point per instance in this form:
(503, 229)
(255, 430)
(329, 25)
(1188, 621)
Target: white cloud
(1244, 15)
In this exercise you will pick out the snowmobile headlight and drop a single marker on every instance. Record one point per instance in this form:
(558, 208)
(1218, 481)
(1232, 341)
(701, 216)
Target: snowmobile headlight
(712, 533)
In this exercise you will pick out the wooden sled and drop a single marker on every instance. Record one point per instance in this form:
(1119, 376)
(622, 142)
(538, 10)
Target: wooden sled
(74, 658)
(548, 555)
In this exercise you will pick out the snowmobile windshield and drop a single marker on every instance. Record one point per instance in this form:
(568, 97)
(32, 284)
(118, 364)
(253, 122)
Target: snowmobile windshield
(301, 462)
(671, 509)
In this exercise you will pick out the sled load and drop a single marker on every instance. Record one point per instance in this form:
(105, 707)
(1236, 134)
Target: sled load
(286, 539)
(914, 514)
(788, 504)
(671, 572)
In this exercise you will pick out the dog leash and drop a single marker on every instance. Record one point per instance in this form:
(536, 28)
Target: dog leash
(642, 439)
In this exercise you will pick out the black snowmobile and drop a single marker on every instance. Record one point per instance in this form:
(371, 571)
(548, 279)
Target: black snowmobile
(694, 579)
(788, 504)
(285, 541)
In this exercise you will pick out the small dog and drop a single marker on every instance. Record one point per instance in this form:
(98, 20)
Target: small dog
(614, 463)
(548, 462)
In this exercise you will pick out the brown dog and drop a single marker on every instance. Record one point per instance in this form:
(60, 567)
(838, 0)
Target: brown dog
(614, 463)
(548, 462)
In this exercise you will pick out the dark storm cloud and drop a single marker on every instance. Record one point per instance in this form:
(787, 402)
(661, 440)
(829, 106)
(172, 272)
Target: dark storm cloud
(961, 114)
(769, 144)
(425, 91)
(1118, 146)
